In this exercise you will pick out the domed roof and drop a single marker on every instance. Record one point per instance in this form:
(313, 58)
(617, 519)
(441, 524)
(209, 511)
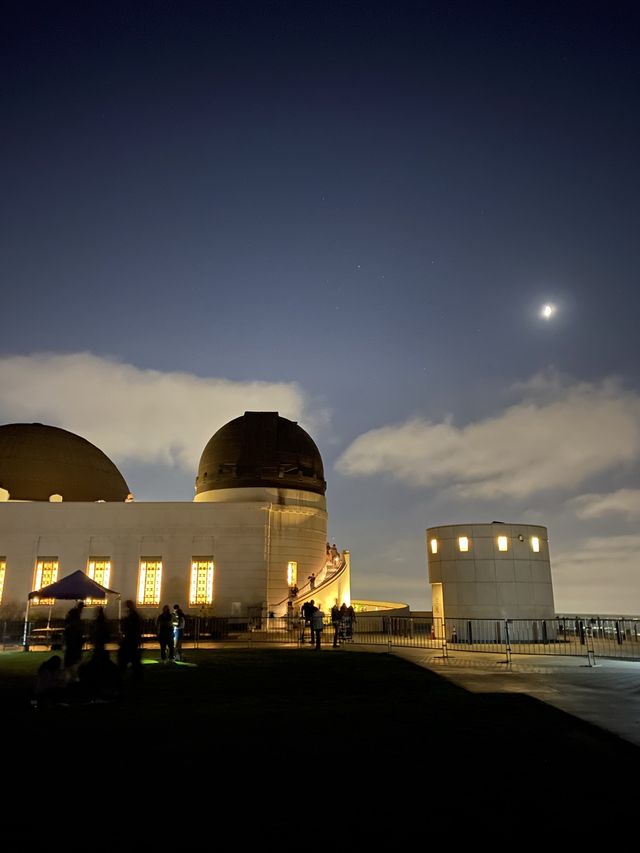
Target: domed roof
(261, 449)
(37, 461)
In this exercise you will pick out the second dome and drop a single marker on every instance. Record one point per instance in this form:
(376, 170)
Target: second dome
(261, 449)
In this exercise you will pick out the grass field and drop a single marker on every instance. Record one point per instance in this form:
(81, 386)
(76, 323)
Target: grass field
(281, 726)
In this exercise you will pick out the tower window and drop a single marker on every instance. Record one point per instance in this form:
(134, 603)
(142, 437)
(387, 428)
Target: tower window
(201, 591)
(535, 544)
(463, 543)
(434, 546)
(502, 543)
(149, 580)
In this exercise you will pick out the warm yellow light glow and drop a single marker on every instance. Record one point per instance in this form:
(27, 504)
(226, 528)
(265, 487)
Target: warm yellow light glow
(3, 569)
(463, 543)
(292, 573)
(100, 570)
(535, 544)
(149, 580)
(201, 589)
(46, 571)
(434, 546)
(502, 543)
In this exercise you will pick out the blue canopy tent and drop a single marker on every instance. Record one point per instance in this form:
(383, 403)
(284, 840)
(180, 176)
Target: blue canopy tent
(74, 587)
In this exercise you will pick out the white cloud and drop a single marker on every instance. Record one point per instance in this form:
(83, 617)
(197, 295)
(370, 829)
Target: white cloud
(129, 413)
(557, 436)
(600, 575)
(625, 502)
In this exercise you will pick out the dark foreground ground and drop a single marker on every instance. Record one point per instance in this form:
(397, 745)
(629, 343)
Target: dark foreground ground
(266, 741)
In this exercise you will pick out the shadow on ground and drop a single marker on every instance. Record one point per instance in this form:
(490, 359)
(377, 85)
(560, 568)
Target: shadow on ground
(283, 729)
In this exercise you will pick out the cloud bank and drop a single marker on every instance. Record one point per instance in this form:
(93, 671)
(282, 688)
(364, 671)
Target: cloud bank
(602, 569)
(557, 436)
(129, 413)
(624, 502)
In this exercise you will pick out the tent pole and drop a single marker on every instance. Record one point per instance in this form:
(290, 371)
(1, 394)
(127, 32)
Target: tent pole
(25, 637)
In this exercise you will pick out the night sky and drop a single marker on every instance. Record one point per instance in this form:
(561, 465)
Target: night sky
(352, 213)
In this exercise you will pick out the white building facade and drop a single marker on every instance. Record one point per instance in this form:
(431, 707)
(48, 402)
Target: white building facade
(257, 526)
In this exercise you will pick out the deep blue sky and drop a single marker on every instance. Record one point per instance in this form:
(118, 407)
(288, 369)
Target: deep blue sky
(372, 200)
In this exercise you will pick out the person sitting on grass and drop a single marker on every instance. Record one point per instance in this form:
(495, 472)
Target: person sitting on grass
(100, 678)
(51, 683)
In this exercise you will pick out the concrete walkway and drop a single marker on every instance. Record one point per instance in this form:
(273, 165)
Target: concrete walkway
(607, 695)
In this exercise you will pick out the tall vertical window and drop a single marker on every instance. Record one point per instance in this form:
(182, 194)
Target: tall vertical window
(434, 546)
(3, 569)
(99, 570)
(149, 580)
(46, 573)
(292, 573)
(502, 543)
(535, 544)
(201, 581)
(463, 543)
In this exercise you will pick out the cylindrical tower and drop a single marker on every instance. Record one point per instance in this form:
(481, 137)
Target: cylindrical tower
(490, 571)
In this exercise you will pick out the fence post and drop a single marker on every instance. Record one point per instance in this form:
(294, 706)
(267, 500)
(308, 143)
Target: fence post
(618, 636)
(591, 652)
(507, 641)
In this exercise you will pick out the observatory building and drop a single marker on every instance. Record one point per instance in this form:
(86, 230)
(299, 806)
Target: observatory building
(256, 528)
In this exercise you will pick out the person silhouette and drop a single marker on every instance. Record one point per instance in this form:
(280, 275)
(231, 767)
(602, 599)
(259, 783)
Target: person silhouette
(164, 623)
(179, 623)
(130, 641)
(73, 638)
(101, 635)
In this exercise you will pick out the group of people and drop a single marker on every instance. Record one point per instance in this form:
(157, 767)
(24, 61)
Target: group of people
(314, 619)
(342, 619)
(59, 679)
(333, 555)
(170, 625)
(65, 680)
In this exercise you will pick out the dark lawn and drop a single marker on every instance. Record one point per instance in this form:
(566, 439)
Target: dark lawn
(287, 725)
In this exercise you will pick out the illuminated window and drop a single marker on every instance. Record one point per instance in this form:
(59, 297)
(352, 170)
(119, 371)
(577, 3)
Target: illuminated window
(502, 543)
(46, 573)
(149, 580)
(99, 570)
(463, 543)
(292, 573)
(434, 546)
(3, 569)
(535, 544)
(201, 581)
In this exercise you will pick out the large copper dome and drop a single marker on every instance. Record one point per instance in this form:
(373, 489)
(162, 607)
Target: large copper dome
(261, 449)
(37, 461)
